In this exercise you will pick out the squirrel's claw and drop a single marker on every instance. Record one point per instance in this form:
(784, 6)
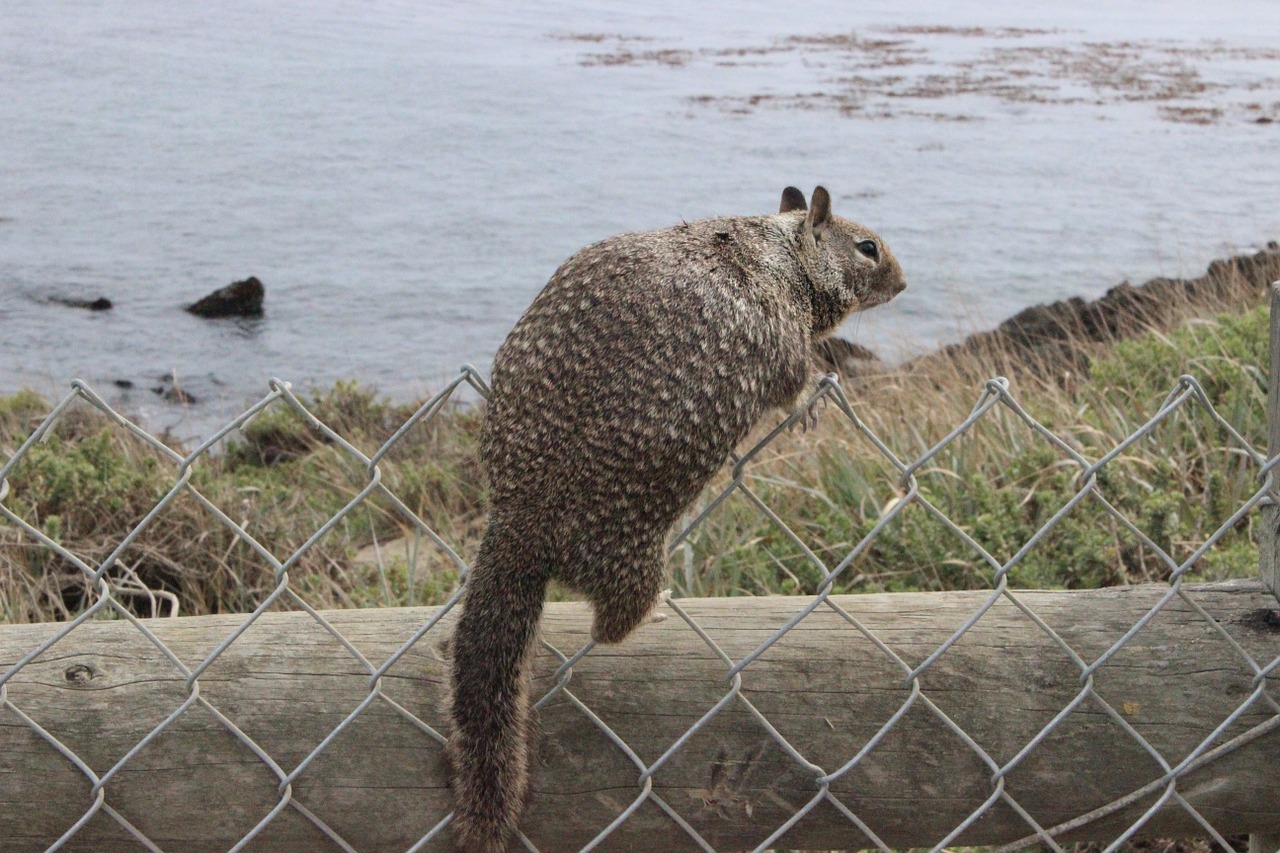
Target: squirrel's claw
(657, 615)
(809, 416)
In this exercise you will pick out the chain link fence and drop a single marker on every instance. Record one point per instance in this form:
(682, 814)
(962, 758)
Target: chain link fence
(116, 592)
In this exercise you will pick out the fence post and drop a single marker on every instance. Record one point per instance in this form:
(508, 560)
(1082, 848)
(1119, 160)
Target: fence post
(1268, 535)
(1268, 540)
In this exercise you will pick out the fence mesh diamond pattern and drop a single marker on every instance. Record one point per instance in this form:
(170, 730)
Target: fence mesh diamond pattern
(924, 703)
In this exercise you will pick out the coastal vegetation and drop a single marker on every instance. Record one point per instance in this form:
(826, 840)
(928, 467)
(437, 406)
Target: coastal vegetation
(90, 482)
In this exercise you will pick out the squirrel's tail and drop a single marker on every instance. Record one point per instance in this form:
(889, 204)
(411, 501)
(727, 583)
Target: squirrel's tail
(492, 644)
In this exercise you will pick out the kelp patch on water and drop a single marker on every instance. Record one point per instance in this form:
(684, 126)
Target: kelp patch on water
(929, 71)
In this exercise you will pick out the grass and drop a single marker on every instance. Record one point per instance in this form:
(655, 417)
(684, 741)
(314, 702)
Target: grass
(1002, 482)
(91, 482)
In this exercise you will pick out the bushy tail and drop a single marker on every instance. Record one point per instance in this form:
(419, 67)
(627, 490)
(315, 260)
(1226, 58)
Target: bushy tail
(492, 644)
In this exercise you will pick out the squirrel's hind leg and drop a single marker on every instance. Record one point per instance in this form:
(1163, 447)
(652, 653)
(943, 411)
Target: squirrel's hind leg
(628, 594)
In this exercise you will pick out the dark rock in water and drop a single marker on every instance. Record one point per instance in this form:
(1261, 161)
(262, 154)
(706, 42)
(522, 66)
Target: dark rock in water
(241, 299)
(845, 358)
(100, 304)
(122, 383)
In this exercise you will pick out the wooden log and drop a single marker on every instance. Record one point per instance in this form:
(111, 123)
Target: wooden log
(824, 687)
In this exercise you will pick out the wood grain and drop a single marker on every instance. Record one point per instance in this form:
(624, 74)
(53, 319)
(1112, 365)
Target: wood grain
(287, 684)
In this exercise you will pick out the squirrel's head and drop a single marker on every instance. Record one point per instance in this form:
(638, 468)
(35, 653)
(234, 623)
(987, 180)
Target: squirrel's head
(849, 266)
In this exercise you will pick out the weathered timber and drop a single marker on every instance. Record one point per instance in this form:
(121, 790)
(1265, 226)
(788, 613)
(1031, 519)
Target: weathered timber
(287, 684)
(1269, 541)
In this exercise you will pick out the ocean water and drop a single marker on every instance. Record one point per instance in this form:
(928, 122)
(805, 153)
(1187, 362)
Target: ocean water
(404, 177)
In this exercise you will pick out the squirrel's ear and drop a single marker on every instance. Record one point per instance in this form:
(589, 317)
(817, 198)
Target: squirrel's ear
(792, 199)
(820, 209)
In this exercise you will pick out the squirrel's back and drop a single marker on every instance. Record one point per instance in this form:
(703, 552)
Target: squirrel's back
(646, 357)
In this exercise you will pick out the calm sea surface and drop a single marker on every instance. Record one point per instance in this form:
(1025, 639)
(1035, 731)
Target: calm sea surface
(404, 177)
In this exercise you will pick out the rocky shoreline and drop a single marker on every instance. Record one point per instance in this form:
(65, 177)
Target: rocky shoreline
(1054, 339)
(1062, 330)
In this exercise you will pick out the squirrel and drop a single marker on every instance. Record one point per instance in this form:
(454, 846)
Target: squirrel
(643, 362)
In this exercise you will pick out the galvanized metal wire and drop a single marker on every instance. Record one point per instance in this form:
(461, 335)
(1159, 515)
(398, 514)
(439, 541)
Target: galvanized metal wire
(110, 580)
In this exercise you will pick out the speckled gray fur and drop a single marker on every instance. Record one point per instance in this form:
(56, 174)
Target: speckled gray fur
(616, 397)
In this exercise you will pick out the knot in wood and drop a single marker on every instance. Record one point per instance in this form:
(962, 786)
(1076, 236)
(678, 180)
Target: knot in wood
(79, 674)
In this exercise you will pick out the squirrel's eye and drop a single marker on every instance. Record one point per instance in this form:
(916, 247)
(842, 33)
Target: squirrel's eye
(870, 249)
